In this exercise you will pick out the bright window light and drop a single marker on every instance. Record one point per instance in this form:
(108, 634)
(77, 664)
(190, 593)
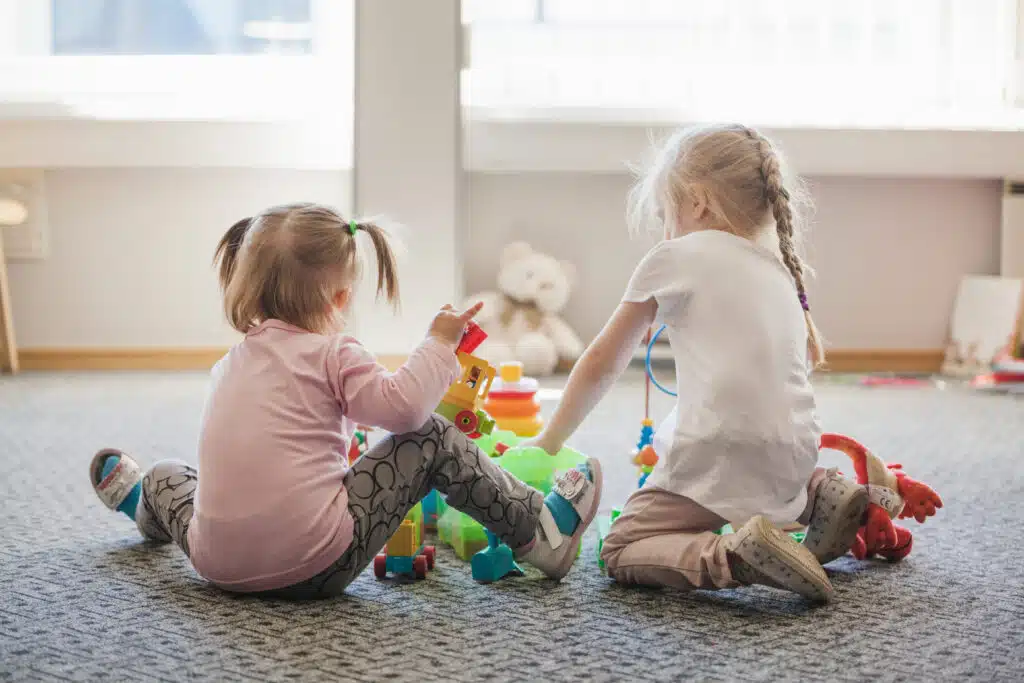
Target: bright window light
(178, 59)
(784, 62)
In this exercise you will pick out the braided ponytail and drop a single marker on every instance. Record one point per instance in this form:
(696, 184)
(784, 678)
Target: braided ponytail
(779, 201)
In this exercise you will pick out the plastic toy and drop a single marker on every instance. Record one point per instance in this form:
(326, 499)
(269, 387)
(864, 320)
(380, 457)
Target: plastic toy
(462, 405)
(405, 554)
(464, 534)
(513, 402)
(358, 445)
(416, 516)
(604, 525)
(494, 562)
(430, 506)
(645, 457)
(463, 402)
(534, 466)
(893, 495)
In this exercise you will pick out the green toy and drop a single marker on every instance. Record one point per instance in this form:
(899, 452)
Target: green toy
(533, 466)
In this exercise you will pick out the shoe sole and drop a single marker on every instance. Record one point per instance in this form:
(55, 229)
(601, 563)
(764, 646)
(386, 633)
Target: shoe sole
(585, 522)
(830, 541)
(810, 579)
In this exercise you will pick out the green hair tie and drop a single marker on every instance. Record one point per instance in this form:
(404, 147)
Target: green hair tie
(352, 227)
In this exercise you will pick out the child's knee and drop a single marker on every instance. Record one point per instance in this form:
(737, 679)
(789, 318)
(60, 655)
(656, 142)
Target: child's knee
(167, 474)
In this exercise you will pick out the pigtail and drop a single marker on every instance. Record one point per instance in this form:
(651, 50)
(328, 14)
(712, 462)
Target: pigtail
(779, 201)
(387, 269)
(226, 255)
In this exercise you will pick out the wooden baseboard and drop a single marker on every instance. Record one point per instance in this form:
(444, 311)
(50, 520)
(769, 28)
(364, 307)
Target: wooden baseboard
(58, 359)
(883, 360)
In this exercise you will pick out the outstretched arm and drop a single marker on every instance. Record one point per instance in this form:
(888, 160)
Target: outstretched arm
(596, 371)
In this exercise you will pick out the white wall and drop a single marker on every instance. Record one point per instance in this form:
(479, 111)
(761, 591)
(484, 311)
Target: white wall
(130, 262)
(131, 252)
(889, 253)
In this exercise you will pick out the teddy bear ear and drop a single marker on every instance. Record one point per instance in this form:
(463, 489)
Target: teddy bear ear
(515, 251)
(570, 272)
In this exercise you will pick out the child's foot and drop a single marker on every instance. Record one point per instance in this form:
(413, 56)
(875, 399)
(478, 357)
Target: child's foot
(838, 513)
(117, 480)
(567, 512)
(761, 554)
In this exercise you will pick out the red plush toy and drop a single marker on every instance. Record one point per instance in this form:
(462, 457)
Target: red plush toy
(892, 493)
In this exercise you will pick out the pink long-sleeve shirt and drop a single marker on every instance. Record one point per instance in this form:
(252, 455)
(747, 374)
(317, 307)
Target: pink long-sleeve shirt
(271, 508)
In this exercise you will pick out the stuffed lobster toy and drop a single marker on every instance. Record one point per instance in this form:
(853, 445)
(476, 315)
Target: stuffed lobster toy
(892, 494)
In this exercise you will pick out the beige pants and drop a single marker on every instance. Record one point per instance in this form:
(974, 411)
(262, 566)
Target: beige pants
(663, 539)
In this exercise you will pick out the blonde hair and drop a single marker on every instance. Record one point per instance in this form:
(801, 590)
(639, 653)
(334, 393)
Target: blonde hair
(744, 181)
(289, 262)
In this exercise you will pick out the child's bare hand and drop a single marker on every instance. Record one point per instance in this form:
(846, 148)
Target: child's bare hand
(449, 325)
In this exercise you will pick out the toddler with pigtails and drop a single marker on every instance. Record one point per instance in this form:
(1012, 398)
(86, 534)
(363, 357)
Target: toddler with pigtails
(274, 507)
(741, 445)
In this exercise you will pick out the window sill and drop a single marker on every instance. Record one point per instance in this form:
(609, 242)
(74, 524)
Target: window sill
(983, 145)
(45, 135)
(49, 136)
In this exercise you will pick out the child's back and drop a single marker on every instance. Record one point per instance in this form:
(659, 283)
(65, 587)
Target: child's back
(740, 345)
(268, 450)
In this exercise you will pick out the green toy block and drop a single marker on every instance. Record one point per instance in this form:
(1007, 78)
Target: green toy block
(604, 525)
(464, 534)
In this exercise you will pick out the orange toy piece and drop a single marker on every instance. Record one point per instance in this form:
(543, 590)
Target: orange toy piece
(646, 457)
(512, 402)
(893, 495)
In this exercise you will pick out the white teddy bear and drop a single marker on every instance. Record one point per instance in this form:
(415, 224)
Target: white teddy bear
(521, 318)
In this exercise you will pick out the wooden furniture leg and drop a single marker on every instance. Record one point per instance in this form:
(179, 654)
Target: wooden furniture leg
(8, 347)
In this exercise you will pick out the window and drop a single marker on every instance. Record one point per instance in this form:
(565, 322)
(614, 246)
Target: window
(181, 27)
(179, 59)
(788, 62)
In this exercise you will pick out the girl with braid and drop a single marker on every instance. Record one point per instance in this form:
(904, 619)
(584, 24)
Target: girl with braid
(741, 445)
(274, 507)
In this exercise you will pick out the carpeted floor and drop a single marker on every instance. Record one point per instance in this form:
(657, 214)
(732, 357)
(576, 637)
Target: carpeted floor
(82, 598)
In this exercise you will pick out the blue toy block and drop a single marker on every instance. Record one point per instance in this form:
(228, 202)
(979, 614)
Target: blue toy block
(431, 509)
(398, 565)
(494, 562)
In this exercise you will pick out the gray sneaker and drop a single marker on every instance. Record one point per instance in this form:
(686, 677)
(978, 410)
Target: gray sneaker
(761, 554)
(838, 513)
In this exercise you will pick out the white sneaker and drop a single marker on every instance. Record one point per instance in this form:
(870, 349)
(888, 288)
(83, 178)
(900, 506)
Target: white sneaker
(762, 554)
(839, 507)
(553, 552)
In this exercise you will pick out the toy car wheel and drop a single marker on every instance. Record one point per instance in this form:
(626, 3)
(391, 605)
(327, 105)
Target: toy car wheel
(419, 566)
(380, 566)
(467, 421)
(428, 552)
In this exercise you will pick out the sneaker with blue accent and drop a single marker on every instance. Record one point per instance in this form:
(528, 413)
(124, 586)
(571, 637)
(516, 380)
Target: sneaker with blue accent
(567, 512)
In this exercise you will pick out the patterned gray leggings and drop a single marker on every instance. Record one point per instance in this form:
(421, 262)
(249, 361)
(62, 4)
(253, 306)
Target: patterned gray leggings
(382, 486)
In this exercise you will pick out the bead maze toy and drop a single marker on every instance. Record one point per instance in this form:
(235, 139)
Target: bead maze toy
(405, 554)
(513, 402)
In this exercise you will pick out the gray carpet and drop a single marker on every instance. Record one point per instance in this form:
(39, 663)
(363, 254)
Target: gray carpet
(83, 598)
